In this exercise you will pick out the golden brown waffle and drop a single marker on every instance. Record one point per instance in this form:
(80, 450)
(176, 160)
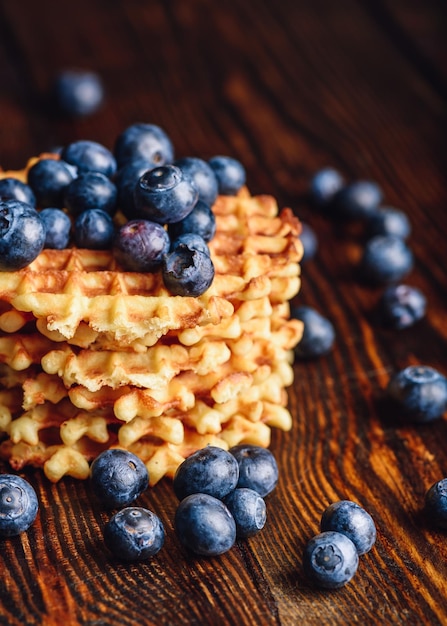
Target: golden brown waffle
(93, 357)
(238, 401)
(255, 254)
(35, 436)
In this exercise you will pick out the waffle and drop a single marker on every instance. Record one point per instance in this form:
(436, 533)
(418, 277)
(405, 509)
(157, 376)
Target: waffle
(93, 357)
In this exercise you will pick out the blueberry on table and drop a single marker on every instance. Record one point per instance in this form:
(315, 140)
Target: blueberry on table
(203, 177)
(144, 141)
(330, 560)
(258, 469)
(91, 190)
(90, 156)
(324, 184)
(318, 334)
(78, 92)
(18, 505)
(230, 174)
(14, 189)
(22, 235)
(309, 240)
(248, 509)
(210, 470)
(126, 180)
(401, 306)
(118, 477)
(419, 393)
(134, 534)
(49, 178)
(204, 525)
(385, 259)
(57, 228)
(350, 519)
(140, 245)
(388, 221)
(436, 503)
(357, 200)
(201, 221)
(165, 195)
(94, 230)
(187, 272)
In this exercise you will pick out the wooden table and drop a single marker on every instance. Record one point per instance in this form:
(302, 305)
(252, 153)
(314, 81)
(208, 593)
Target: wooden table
(287, 87)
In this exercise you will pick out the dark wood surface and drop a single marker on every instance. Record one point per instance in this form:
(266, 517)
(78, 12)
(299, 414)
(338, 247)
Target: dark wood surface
(286, 87)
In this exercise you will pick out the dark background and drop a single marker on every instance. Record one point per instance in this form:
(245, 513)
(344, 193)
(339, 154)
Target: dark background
(287, 87)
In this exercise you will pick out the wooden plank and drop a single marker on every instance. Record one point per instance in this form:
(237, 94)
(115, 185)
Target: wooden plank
(288, 88)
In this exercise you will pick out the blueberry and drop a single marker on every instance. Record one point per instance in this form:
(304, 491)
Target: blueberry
(22, 235)
(200, 221)
(309, 240)
(164, 195)
(203, 177)
(78, 92)
(191, 241)
(187, 272)
(348, 518)
(358, 200)
(126, 180)
(57, 228)
(144, 141)
(14, 189)
(134, 534)
(230, 174)
(436, 503)
(91, 190)
(90, 156)
(18, 505)
(401, 306)
(324, 185)
(118, 477)
(48, 178)
(211, 470)
(204, 525)
(419, 392)
(258, 469)
(318, 334)
(140, 245)
(388, 221)
(248, 509)
(93, 229)
(385, 259)
(330, 560)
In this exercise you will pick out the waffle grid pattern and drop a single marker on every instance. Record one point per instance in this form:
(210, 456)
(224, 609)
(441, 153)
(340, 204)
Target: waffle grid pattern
(92, 357)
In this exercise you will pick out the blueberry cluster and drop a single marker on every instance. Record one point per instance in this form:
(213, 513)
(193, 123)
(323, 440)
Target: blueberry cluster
(117, 478)
(331, 558)
(417, 392)
(222, 496)
(75, 199)
(18, 505)
(386, 257)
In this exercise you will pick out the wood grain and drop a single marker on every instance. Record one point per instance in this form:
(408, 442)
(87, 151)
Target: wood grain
(287, 87)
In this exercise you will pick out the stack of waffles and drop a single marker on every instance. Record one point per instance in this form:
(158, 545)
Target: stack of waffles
(93, 357)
